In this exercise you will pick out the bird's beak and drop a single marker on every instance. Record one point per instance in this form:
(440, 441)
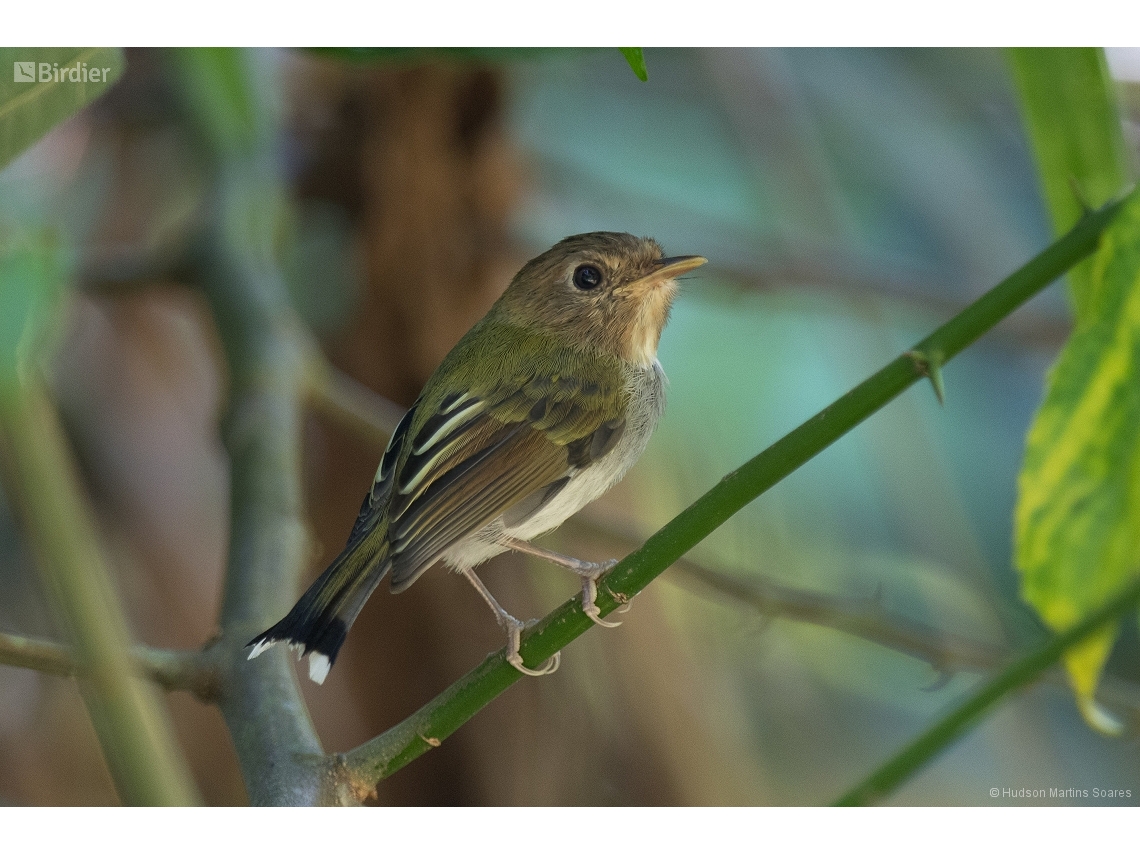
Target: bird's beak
(670, 268)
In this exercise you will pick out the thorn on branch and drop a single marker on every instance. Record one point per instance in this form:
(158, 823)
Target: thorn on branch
(929, 365)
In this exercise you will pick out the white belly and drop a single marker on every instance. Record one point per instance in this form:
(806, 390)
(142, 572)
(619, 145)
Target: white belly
(647, 402)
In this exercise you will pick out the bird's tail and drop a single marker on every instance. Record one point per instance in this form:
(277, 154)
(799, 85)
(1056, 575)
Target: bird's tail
(319, 622)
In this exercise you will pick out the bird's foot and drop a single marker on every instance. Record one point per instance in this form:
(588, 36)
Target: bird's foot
(590, 593)
(589, 571)
(514, 628)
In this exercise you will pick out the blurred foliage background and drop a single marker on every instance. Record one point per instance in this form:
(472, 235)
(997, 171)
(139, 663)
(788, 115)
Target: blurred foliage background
(848, 200)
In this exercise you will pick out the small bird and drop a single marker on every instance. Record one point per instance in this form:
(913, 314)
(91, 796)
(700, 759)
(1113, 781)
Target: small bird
(539, 409)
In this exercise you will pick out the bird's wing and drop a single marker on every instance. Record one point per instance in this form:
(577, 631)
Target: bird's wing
(372, 508)
(507, 448)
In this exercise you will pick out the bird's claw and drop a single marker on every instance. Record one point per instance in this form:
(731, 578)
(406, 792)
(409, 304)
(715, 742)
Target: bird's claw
(592, 611)
(590, 607)
(549, 667)
(514, 628)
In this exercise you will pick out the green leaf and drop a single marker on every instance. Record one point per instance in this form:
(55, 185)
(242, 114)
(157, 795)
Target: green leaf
(636, 60)
(1071, 116)
(33, 98)
(33, 269)
(1078, 513)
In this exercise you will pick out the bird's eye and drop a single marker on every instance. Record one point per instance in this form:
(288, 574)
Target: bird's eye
(587, 277)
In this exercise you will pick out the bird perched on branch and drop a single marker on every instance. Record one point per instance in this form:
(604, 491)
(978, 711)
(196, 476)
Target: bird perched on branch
(539, 409)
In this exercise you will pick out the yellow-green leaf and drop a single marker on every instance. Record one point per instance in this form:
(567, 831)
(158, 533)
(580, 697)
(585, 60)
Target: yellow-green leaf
(1078, 512)
(40, 87)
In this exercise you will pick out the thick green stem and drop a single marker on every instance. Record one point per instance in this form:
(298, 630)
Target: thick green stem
(127, 713)
(438, 719)
(888, 777)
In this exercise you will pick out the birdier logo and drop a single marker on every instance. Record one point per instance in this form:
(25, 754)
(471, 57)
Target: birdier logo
(51, 72)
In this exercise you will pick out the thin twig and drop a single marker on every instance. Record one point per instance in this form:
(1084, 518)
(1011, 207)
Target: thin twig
(47, 657)
(350, 402)
(946, 652)
(892, 774)
(184, 670)
(862, 617)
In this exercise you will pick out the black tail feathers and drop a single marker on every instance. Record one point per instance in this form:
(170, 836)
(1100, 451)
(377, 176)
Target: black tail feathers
(314, 634)
(318, 624)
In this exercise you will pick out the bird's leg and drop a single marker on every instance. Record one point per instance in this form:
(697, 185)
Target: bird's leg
(514, 628)
(589, 571)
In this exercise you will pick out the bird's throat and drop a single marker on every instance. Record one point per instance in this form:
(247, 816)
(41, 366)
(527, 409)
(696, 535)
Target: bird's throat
(648, 321)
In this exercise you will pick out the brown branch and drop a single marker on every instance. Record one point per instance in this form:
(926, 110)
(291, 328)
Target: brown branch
(946, 652)
(862, 617)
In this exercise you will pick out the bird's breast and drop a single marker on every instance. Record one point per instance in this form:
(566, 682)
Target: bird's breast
(646, 388)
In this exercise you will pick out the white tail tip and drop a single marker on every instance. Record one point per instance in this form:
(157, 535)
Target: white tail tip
(319, 666)
(260, 648)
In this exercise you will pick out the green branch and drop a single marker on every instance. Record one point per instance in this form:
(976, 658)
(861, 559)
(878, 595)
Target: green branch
(888, 777)
(425, 729)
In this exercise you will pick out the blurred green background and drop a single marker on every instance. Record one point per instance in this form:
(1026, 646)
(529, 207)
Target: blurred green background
(848, 200)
